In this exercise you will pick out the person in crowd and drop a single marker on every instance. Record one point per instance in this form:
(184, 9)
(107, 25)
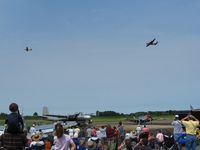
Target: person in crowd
(121, 133)
(14, 122)
(143, 135)
(62, 141)
(110, 137)
(82, 133)
(145, 129)
(13, 138)
(47, 143)
(82, 144)
(37, 142)
(152, 140)
(94, 132)
(76, 135)
(177, 127)
(133, 137)
(115, 135)
(91, 145)
(169, 142)
(103, 134)
(191, 123)
(32, 129)
(13, 141)
(142, 145)
(89, 132)
(126, 144)
(138, 130)
(160, 139)
(71, 132)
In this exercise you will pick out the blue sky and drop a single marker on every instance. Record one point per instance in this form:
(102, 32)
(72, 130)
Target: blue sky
(91, 55)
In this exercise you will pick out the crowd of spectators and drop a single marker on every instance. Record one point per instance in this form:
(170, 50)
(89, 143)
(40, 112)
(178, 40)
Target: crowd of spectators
(105, 137)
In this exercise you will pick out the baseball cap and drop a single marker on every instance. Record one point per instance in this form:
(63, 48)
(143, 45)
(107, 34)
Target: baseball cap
(176, 116)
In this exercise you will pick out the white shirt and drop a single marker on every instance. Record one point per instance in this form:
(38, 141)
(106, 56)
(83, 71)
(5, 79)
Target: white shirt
(32, 130)
(62, 143)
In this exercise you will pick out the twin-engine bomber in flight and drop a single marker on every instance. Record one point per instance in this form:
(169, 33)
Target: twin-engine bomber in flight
(152, 43)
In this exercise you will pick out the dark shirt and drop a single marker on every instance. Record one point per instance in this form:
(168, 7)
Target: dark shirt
(109, 132)
(14, 123)
(143, 135)
(13, 141)
(142, 148)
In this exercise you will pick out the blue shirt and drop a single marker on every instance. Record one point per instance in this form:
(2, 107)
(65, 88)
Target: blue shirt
(177, 126)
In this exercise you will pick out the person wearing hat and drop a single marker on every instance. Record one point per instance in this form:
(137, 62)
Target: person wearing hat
(36, 143)
(62, 141)
(32, 129)
(14, 122)
(177, 128)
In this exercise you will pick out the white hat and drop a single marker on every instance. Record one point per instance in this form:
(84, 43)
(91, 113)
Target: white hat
(127, 136)
(176, 116)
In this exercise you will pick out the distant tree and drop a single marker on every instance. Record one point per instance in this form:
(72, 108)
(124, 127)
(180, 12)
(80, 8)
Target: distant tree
(108, 113)
(97, 113)
(3, 115)
(35, 114)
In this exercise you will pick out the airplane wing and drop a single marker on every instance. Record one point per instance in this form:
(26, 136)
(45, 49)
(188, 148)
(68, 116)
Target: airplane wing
(150, 43)
(153, 40)
(50, 127)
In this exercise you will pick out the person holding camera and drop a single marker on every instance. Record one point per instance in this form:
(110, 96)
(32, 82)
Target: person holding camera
(191, 123)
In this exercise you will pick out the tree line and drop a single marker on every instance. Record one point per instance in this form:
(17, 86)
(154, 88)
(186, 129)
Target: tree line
(108, 114)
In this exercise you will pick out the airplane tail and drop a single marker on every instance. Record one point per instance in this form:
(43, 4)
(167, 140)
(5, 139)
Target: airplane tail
(45, 111)
(191, 108)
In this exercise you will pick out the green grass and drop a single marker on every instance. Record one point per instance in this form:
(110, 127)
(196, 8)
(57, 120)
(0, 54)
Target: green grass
(107, 119)
(31, 121)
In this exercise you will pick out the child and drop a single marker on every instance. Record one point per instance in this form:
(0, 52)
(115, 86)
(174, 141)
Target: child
(14, 122)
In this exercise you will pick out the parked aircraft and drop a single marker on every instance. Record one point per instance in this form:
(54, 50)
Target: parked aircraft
(142, 119)
(49, 128)
(80, 118)
(152, 43)
(28, 49)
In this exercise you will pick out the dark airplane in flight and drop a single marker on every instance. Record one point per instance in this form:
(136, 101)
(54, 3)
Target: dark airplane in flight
(28, 49)
(152, 43)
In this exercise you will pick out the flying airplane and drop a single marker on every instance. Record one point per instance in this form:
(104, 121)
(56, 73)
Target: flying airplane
(152, 43)
(28, 49)
(142, 119)
(80, 118)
